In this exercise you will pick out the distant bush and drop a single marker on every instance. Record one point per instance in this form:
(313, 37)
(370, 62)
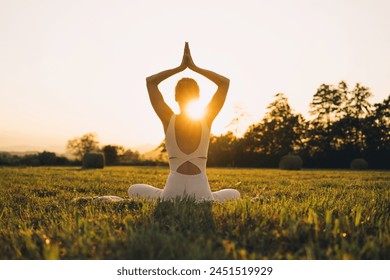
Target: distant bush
(93, 160)
(290, 162)
(8, 159)
(359, 164)
(29, 160)
(62, 161)
(47, 158)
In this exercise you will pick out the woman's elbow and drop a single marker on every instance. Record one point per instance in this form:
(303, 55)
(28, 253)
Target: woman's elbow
(225, 83)
(148, 80)
(151, 79)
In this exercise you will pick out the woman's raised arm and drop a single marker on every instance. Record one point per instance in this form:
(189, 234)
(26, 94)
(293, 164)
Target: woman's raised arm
(218, 99)
(163, 111)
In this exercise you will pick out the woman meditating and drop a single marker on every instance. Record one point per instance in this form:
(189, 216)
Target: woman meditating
(186, 139)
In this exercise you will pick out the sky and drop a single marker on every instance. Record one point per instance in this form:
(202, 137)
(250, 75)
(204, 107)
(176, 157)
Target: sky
(72, 67)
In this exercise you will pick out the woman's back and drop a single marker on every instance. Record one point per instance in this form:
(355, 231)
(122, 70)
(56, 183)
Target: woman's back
(187, 143)
(188, 133)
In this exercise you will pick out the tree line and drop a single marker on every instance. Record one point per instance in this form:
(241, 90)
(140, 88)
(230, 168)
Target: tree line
(77, 147)
(344, 126)
(113, 154)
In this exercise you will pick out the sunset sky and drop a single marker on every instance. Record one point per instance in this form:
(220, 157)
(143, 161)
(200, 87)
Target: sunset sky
(72, 67)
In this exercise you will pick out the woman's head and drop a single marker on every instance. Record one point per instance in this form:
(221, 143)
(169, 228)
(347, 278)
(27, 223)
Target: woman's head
(186, 90)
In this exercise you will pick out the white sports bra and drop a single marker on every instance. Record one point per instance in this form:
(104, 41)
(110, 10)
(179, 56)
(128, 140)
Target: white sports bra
(177, 157)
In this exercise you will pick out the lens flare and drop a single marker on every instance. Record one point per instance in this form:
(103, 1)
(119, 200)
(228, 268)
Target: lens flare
(195, 110)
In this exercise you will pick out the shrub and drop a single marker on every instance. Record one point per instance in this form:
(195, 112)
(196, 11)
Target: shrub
(47, 158)
(93, 160)
(290, 162)
(359, 164)
(29, 160)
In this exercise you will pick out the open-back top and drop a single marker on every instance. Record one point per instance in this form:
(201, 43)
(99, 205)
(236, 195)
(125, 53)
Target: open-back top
(177, 157)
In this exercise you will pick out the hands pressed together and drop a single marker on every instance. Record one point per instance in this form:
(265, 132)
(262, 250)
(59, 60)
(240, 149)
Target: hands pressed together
(187, 60)
(164, 111)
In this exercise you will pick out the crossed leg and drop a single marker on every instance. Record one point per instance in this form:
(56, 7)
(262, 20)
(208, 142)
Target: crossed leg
(225, 194)
(144, 191)
(150, 193)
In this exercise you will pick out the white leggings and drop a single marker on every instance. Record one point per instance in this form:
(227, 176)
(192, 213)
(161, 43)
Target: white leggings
(181, 185)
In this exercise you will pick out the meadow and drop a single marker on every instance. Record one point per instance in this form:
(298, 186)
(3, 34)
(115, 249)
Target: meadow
(307, 214)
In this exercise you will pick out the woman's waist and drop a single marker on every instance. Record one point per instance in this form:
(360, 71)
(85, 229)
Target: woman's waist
(174, 173)
(192, 166)
(187, 157)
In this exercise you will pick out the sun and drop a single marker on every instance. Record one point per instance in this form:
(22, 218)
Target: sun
(195, 110)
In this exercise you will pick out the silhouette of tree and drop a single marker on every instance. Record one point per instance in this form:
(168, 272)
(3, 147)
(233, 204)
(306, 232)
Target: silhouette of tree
(282, 129)
(112, 153)
(252, 138)
(377, 136)
(279, 133)
(337, 133)
(382, 113)
(382, 122)
(345, 126)
(79, 146)
(223, 150)
(350, 129)
(47, 158)
(327, 107)
(358, 104)
(326, 103)
(130, 156)
(343, 93)
(162, 152)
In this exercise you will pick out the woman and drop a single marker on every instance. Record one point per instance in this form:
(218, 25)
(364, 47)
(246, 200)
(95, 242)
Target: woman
(186, 139)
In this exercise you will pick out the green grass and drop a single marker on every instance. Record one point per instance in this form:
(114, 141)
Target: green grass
(282, 215)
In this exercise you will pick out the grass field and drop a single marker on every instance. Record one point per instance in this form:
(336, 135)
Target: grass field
(282, 215)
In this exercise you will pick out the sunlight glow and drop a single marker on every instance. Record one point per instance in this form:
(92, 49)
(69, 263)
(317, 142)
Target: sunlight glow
(53, 54)
(195, 110)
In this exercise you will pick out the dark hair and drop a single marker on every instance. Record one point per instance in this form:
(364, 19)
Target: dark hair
(186, 86)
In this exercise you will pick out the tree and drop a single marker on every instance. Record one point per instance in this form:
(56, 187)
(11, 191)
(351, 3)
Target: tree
(130, 156)
(112, 153)
(327, 101)
(252, 137)
(279, 133)
(162, 152)
(79, 146)
(222, 150)
(382, 112)
(327, 107)
(377, 135)
(281, 129)
(338, 133)
(349, 131)
(358, 104)
(47, 158)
